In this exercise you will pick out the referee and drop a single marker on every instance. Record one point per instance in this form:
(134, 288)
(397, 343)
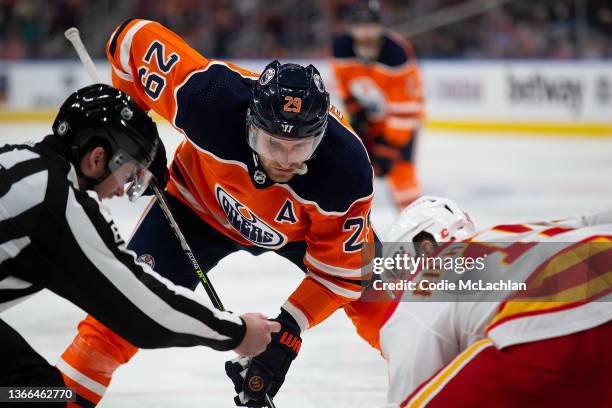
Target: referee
(54, 234)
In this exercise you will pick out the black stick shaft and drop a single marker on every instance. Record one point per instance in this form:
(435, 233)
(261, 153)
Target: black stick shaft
(210, 290)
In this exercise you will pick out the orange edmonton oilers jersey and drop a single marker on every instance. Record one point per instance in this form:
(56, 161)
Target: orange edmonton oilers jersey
(217, 175)
(390, 88)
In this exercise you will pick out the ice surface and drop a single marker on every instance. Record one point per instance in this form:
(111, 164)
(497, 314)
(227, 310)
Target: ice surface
(498, 179)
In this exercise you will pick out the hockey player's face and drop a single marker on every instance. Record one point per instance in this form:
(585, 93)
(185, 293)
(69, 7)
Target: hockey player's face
(281, 158)
(277, 171)
(367, 33)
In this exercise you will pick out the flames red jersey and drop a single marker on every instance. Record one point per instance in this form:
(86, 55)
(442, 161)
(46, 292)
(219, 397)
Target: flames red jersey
(565, 266)
(217, 175)
(390, 88)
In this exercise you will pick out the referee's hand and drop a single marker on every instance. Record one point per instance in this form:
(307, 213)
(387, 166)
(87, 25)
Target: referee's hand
(258, 334)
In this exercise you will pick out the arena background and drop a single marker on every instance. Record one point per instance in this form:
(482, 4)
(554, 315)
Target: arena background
(519, 128)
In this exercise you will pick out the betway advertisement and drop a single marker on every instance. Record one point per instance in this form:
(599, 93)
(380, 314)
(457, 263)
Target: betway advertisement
(462, 91)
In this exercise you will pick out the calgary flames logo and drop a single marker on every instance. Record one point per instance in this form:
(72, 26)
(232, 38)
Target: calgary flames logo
(249, 225)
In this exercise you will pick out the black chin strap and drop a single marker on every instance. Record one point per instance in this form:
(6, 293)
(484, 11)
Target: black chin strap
(90, 182)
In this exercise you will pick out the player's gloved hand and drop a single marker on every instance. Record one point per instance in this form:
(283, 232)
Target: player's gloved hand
(159, 169)
(255, 377)
(358, 116)
(383, 154)
(359, 122)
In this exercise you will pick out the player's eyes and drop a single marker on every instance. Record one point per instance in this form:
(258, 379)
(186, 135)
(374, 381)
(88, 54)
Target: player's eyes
(301, 146)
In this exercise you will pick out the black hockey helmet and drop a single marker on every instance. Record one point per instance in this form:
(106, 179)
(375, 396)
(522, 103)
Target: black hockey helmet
(100, 111)
(289, 102)
(366, 11)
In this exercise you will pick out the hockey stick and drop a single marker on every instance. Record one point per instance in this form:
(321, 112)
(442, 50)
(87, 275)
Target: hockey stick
(72, 35)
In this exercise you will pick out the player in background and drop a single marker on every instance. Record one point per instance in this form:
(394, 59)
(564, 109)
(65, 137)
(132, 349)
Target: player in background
(380, 83)
(55, 234)
(546, 346)
(266, 165)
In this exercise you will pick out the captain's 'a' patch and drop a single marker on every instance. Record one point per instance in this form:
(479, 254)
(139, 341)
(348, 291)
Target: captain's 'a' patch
(286, 213)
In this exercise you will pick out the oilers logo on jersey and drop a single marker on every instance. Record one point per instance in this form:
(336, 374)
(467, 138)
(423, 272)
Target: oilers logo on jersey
(146, 259)
(250, 226)
(208, 102)
(370, 96)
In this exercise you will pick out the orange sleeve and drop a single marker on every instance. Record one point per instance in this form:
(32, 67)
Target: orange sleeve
(336, 258)
(404, 91)
(88, 364)
(150, 63)
(340, 73)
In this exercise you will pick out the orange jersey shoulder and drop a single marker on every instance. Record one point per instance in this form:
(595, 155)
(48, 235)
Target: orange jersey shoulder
(390, 88)
(216, 174)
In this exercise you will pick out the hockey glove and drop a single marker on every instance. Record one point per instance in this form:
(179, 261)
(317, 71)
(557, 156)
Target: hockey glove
(255, 377)
(159, 169)
(382, 155)
(358, 116)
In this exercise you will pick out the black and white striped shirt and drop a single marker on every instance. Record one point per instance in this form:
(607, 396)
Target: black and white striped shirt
(52, 235)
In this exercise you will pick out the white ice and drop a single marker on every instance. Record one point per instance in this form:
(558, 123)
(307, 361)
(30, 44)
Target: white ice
(497, 178)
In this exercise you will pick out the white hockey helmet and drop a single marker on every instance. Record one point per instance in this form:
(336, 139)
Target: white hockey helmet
(440, 217)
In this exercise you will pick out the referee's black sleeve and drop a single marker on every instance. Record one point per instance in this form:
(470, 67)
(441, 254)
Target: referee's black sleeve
(146, 309)
(58, 237)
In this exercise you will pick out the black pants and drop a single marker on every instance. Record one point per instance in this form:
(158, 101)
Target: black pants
(155, 244)
(21, 366)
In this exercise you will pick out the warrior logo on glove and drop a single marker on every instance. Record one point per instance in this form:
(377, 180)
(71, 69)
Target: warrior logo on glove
(256, 384)
(255, 377)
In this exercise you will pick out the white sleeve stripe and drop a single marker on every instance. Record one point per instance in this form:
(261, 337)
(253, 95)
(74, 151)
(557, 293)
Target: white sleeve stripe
(23, 195)
(13, 157)
(551, 324)
(189, 197)
(333, 270)
(12, 282)
(351, 294)
(403, 123)
(126, 45)
(298, 315)
(78, 377)
(184, 292)
(130, 286)
(405, 107)
(7, 305)
(122, 75)
(12, 248)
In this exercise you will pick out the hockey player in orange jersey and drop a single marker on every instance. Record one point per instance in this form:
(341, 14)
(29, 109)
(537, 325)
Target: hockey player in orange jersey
(380, 83)
(543, 345)
(266, 165)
